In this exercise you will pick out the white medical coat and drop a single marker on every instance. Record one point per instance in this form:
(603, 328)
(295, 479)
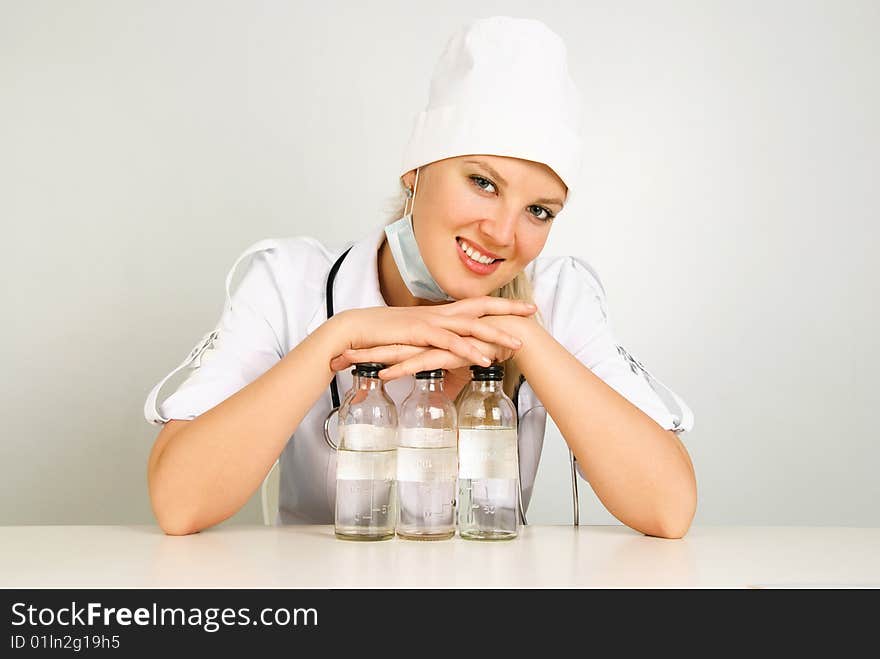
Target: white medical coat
(281, 299)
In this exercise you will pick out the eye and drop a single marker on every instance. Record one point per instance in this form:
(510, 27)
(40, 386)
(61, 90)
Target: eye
(485, 184)
(536, 210)
(479, 181)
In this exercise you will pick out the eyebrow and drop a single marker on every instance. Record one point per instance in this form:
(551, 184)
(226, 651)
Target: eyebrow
(500, 179)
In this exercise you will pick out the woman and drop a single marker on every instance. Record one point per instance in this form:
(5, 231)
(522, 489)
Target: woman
(490, 163)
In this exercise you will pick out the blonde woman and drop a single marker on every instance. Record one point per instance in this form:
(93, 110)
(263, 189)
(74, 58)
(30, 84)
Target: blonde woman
(456, 279)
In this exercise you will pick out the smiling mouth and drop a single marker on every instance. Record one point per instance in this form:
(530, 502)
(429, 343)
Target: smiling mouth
(475, 254)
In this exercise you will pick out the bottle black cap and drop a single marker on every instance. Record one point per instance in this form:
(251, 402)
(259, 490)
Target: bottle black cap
(435, 373)
(493, 372)
(368, 369)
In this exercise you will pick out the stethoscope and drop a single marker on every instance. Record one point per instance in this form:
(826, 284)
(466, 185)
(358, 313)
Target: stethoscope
(334, 396)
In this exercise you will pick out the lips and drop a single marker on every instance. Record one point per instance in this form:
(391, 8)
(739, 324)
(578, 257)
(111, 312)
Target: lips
(469, 246)
(473, 265)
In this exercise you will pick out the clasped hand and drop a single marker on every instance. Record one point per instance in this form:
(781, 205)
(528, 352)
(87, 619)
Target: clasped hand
(449, 336)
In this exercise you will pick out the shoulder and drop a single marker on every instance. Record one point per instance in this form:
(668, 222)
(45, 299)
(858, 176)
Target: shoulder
(297, 252)
(297, 261)
(280, 278)
(279, 281)
(566, 284)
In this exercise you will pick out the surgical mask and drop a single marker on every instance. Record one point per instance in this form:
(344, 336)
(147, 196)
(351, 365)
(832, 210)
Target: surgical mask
(405, 250)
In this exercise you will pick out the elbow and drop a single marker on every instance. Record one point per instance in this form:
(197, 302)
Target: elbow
(172, 517)
(673, 527)
(173, 520)
(176, 515)
(674, 523)
(673, 530)
(176, 525)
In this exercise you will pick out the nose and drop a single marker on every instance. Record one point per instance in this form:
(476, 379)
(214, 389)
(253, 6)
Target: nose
(500, 229)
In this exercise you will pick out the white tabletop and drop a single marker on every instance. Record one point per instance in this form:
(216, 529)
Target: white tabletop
(542, 556)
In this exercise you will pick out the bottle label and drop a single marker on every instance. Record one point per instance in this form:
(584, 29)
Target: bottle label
(427, 437)
(367, 437)
(487, 453)
(366, 465)
(427, 464)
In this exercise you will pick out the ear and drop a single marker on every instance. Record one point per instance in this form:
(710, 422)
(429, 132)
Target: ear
(408, 179)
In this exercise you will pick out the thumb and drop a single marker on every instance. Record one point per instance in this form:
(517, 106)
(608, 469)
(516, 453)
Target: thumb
(339, 363)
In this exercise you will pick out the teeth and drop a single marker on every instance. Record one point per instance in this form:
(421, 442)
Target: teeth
(474, 254)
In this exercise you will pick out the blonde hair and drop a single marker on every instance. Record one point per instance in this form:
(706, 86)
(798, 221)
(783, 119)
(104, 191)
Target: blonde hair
(519, 288)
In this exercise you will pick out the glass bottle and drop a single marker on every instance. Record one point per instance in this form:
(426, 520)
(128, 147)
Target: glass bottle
(427, 460)
(488, 476)
(366, 459)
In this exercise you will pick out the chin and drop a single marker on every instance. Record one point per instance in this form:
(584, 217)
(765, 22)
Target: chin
(462, 291)
(473, 286)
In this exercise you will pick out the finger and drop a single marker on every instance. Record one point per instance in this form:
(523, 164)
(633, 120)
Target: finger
(447, 340)
(498, 352)
(340, 363)
(486, 305)
(426, 361)
(390, 354)
(481, 330)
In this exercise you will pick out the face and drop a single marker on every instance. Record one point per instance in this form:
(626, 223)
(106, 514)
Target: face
(501, 207)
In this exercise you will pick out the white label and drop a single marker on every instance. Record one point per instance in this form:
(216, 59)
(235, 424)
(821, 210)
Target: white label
(427, 437)
(367, 437)
(487, 453)
(427, 464)
(366, 465)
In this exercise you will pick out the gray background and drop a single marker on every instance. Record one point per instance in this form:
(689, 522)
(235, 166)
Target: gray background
(727, 207)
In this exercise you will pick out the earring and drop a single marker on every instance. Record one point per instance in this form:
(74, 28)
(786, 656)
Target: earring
(409, 193)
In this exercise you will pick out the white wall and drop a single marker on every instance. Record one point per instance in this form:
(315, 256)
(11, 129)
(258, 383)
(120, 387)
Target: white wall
(728, 210)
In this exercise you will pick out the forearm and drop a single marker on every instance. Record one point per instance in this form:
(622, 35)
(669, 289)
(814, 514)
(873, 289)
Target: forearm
(208, 470)
(640, 471)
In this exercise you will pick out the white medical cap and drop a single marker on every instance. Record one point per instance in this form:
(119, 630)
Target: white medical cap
(501, 87)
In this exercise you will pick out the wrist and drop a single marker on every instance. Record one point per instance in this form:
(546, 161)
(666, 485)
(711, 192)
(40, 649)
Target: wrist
(527, 330)
(337, 330)
(332, 337)
(522, 327)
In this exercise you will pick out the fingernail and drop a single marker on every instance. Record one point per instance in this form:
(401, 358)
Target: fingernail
(486, 360)
(517, 342)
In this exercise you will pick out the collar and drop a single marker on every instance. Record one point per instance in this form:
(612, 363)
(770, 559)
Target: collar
(357, 281)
